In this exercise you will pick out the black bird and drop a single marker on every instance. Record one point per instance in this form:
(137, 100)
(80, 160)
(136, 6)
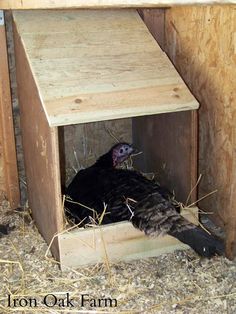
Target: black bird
(128, 195)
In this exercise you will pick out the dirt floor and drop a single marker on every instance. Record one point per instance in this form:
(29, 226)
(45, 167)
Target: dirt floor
(180, 282)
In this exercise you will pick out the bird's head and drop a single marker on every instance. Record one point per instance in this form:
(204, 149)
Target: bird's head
(115, 156)
(121, 152)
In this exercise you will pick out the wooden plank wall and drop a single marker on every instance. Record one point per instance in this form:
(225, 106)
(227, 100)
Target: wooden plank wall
(9, 185)
(201, 42)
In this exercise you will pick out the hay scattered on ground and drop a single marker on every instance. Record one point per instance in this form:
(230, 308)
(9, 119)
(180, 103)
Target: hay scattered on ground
(172, 283)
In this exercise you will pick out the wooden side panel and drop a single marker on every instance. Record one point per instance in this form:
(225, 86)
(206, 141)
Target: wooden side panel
(114, 242)
(40, 151)
(201, 43)
(9, 183)
(169, 146)
(169, 141)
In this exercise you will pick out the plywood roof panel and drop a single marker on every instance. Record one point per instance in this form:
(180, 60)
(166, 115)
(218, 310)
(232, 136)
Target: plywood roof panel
(98, 65)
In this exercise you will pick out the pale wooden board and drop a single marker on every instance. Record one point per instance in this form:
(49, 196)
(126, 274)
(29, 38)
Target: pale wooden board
(98, 65)
(9, 182)
(114, 242)
(49, 4)
(207, 61)
(41, 153)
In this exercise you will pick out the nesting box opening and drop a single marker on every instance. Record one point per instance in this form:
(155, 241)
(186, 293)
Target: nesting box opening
(172, 163)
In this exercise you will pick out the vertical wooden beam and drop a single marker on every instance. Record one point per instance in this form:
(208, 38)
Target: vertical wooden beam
(11, 182)
(41, 153)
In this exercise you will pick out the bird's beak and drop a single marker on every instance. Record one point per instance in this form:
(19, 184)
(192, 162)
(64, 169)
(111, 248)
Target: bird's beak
(134, 150)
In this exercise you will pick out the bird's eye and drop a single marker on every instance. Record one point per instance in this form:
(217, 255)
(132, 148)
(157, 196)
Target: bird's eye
(126, 148)
(121, 150)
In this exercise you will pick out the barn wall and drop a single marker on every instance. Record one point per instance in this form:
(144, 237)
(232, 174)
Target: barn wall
(201, 42)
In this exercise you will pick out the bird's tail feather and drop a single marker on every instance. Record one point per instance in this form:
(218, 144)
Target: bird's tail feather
(200, 241)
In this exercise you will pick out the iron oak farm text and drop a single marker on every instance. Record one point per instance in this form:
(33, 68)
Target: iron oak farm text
(52, 301)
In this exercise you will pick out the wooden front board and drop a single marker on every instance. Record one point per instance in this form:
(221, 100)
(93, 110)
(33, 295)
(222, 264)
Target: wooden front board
(114, 242)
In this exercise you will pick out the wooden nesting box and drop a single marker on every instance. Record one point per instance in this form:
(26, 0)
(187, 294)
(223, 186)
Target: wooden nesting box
(78, 67)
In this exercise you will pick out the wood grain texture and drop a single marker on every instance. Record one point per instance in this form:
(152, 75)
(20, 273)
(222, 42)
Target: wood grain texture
(99, 65)
(169, 144)
(114, 242)
(41, 153)
(9, 182)
(204, 54)
(49, 4)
